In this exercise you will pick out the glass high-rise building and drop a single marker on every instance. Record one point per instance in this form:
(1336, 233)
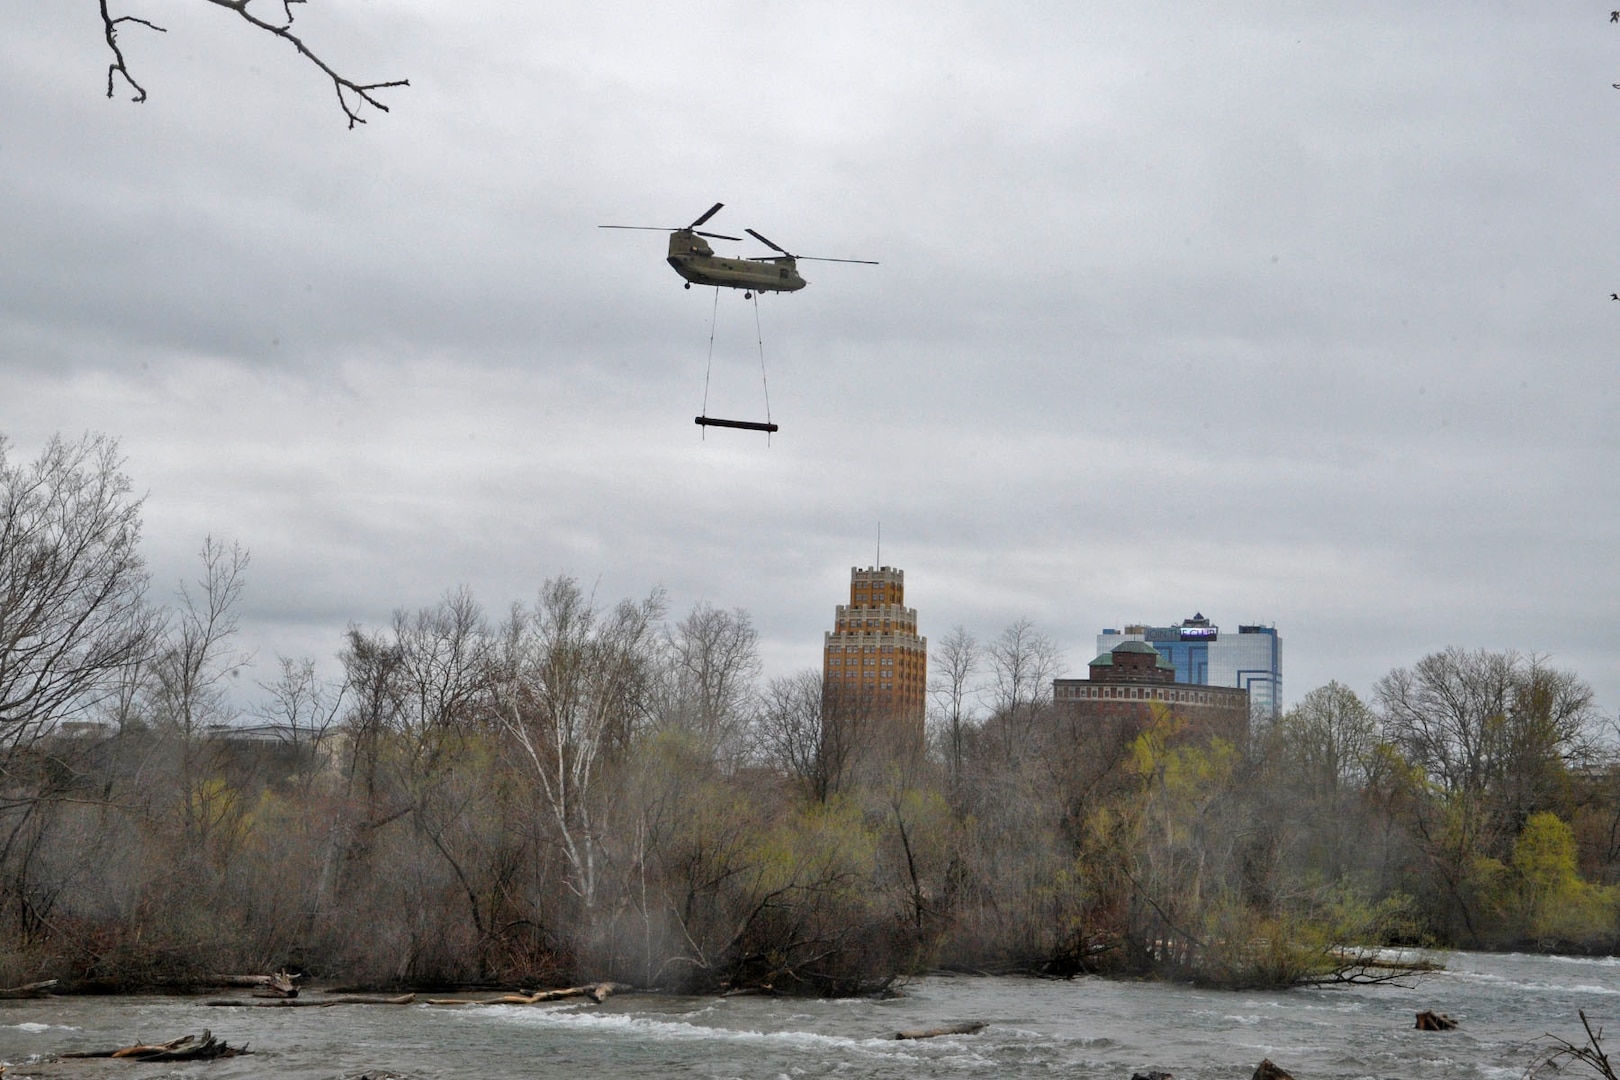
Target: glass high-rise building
(1205, 655)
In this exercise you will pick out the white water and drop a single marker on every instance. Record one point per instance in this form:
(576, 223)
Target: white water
(1036, 1028)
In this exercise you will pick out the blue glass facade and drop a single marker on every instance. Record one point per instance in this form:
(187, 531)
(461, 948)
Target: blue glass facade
(1203, 655)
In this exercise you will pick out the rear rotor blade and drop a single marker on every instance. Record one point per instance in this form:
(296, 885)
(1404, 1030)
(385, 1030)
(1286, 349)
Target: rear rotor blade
(715, 235)
(713, 210)
(767, 243)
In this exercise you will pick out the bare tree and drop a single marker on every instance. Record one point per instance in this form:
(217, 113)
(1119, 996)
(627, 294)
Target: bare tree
(788, 728)
(816, 731)
(1023, 663)
(301, 710)
(1326, 748)
(443, 657)
(196, 656)
(74, 632)
(854, 734)
(1330, 737)
(189, 688)
(352, 96)
(572, 686)
(953, 665)
(1488, 738)
(370, 663)
(1552, 726)
(73, 621)
(713, 661)
(1479, 720)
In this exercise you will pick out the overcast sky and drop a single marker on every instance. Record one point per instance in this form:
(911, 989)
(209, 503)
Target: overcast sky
(1287, 313)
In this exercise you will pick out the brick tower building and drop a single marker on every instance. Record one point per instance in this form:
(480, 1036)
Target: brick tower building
(873, 654)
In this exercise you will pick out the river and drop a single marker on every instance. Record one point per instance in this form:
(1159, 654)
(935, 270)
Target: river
(1084, 1028)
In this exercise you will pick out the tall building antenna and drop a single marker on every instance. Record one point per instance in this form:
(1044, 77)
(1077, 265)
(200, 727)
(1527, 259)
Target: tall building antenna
(879, 545)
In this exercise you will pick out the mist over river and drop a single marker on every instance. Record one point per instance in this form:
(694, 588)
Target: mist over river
(1036, 1028)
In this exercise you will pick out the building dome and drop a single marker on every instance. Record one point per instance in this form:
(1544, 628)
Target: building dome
(1128, 652)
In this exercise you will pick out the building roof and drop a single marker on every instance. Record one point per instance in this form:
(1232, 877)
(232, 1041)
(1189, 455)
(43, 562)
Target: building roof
(1107, 658)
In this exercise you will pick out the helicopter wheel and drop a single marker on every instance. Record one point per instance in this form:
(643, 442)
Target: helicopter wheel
(748, 296)
(688, 284)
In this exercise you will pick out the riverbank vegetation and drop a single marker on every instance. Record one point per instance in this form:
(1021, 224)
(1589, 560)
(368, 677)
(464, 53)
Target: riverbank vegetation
(578, 789)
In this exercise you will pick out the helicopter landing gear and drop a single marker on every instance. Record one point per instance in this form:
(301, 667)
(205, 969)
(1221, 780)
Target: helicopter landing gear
(748, 296)
(688, 284)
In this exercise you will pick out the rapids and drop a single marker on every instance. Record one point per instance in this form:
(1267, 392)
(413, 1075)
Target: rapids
(1086, 1028)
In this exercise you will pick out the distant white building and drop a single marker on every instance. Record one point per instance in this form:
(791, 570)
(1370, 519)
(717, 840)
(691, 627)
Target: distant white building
(1250, 659)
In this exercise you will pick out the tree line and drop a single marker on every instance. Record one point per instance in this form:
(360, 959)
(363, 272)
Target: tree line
(576, 788)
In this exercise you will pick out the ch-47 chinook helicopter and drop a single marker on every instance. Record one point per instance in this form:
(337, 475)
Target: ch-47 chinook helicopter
(693, 259)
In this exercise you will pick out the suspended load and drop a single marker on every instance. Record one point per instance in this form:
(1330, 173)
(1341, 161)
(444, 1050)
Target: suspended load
(746, 425)
(691, 256)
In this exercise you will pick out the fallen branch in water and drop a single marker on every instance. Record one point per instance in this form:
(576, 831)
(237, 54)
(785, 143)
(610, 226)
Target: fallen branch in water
(29, 990)
(279, 978)
(307, 1003)
(185, 1048)
(1359, 968)
(971, 1028)
(597, 992)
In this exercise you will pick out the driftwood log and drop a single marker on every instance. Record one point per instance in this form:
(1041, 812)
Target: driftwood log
(971, 1028)
(29, 990)
(1429, 1020)
(185, 1048)
(309, 1003)
(597, 992)
(279, 985)
(279, 978)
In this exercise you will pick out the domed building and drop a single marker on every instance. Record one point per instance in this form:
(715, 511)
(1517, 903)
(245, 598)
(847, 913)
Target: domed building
(1133, 679)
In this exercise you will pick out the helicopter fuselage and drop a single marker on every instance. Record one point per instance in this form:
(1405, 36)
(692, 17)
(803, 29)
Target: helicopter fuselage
(695, 260)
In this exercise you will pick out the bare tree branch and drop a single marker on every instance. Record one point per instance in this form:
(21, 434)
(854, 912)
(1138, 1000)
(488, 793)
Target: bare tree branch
(117, 67)
(352, 96)
(1561, 1050)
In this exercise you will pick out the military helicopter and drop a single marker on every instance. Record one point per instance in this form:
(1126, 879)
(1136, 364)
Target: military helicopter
(693, 259)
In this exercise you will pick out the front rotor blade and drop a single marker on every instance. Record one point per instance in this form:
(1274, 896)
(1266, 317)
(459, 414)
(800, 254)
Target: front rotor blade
(818, 258)
(713, 210)
(766, 242)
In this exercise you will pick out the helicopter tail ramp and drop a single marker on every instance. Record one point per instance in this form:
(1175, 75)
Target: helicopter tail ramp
(746, 425)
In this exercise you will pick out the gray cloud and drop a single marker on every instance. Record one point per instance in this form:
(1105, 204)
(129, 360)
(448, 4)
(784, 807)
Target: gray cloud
(1295, 315)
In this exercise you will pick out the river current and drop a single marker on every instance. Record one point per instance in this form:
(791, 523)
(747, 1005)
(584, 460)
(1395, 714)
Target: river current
(1505, 1005)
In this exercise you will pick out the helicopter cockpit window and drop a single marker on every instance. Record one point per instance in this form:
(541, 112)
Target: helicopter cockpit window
(782, 273)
